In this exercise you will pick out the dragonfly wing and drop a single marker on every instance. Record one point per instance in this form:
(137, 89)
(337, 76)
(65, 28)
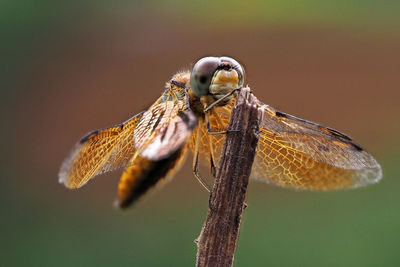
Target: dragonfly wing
(163, 129)
(160, 140)
(296, 153)
(304, 155)
(98, 152)
(210, 145)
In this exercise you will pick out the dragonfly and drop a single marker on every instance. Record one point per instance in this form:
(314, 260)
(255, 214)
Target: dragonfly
(192, 114)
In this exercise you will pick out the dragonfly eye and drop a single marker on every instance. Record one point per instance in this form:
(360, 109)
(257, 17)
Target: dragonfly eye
(216, 76)
(202, 74)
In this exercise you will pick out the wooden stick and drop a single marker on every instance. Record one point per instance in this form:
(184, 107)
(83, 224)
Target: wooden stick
(218, 237)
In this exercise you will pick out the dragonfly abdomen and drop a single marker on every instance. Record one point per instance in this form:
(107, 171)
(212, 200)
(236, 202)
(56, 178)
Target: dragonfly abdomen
(144, 174)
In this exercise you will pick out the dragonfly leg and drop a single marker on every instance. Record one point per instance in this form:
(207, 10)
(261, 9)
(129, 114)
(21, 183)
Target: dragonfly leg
(212, 166)
(209, 107)
(197, 175)
(213, 132)
(210, 144)
(220, 122)
(196, 163)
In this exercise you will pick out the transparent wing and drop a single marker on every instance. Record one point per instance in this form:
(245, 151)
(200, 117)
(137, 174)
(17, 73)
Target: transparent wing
(98, 152)
(210, 145)
(154, 134)
(160, 139)
(300, 154)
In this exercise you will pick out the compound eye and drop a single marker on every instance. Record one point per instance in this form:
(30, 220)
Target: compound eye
(202, 74)
(237, 67)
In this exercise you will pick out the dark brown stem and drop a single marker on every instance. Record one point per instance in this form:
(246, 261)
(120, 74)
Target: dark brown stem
(218, 238)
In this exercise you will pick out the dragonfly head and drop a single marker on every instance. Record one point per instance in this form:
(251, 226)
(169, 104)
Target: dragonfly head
(216, 76)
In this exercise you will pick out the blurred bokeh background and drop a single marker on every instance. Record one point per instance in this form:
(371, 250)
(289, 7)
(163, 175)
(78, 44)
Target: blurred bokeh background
(68, 67)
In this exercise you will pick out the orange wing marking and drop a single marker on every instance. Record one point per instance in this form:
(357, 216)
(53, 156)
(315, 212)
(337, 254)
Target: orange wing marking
(296, 153)
(98, 152)
(304, 155)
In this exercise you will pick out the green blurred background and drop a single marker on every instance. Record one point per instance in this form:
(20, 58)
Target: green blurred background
(68, 67)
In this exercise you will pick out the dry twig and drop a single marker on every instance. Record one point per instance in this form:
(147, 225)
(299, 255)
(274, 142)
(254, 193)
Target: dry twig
(218, 238)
